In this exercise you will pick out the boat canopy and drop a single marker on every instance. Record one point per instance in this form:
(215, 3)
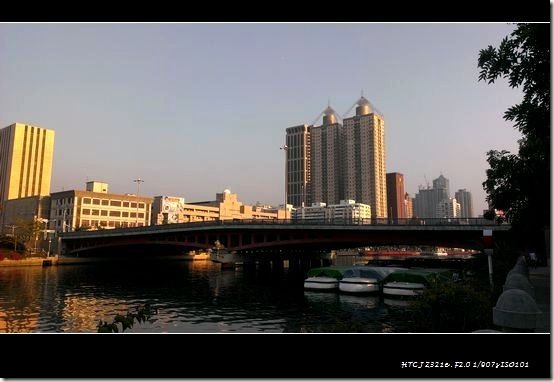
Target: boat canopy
(421, 276)
(333, 271)
(371, 272)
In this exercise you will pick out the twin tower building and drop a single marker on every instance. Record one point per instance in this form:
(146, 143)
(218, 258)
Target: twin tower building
(338, 161)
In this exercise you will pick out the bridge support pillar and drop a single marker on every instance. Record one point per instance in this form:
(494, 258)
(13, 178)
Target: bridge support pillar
(294, 263)
(306, 263)
(264, 265)
(249, 265)
(277, 264)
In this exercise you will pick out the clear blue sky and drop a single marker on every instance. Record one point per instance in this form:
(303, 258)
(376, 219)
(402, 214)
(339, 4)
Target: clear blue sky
(196, 108)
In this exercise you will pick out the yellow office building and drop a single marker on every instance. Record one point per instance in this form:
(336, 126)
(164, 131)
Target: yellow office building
(26, 154)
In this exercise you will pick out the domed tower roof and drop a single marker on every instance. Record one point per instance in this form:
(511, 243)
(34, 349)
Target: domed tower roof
(329, 116)
(364, 106)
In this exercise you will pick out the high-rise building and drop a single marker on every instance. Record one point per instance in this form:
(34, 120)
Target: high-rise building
(466, 203)
(396, 195)
(26, 154)
(342, 162)
(425, 203)
(325, 160)
(364, 158)
(298, 165)
(441, 185)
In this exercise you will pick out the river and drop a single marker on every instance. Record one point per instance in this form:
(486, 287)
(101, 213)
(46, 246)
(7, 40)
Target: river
(190, 297)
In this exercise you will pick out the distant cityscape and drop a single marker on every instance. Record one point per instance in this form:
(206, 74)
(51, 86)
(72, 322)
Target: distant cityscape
(333, 171)
(343, 163)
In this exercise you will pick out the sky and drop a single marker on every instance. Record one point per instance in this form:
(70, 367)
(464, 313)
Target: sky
(193, 109)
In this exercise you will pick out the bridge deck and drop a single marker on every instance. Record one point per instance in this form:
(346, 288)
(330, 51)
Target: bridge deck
(470, 224)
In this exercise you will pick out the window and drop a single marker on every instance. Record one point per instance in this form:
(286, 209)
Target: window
(141, 215)
(115, 213)
(141, 205)
(96, 201)
(105, 202)
(86, 211)
(95, 212)
(125, 214)
(104, 213)
(126, 204)
(133, 205)
(86, 200)
(115, 203)
(133, 215)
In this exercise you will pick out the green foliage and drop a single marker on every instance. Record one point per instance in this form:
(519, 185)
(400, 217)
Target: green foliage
(141, 314)
(519, 184)
(27, 230)
(457, 307)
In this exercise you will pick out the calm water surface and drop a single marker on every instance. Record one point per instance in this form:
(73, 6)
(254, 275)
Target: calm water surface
(190, 297)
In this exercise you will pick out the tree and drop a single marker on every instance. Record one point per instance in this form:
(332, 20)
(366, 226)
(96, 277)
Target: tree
(519, 184)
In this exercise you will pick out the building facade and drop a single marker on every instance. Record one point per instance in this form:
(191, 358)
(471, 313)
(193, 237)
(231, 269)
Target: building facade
(448, 208)
(26, 155)
(75, 209)
(298, 165)
(408, 206)
(167, 209)
(26, 210)
(346, 211)
(425, 203)
(325, 162)
(466, 203)
(396, 195)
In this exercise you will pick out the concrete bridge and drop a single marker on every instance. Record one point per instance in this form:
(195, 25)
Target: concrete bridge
(286, 236)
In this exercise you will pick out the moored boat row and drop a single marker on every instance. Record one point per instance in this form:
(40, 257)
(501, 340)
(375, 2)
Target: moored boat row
(394, 282)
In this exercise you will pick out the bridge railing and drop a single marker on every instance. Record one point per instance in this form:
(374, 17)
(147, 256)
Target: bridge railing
(297, 221)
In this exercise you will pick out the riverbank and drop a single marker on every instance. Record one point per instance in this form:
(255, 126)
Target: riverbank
(30, 261)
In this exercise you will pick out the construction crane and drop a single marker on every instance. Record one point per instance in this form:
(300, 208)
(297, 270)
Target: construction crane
(426, 181)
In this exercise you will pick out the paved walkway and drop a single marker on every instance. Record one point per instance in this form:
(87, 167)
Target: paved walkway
(540, 279)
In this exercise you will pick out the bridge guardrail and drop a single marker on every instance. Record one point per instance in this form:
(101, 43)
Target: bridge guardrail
(326, 222)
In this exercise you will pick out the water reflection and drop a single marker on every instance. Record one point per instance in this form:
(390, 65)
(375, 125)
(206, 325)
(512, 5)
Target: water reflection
(354, 302)
(398, 303)
(189, 296)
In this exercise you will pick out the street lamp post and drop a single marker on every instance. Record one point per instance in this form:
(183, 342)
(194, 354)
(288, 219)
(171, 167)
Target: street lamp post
(285, 148)
(138, 181)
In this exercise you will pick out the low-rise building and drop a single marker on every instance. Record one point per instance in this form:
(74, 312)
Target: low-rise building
(226, 206)
(76, 209)
(347, 211)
